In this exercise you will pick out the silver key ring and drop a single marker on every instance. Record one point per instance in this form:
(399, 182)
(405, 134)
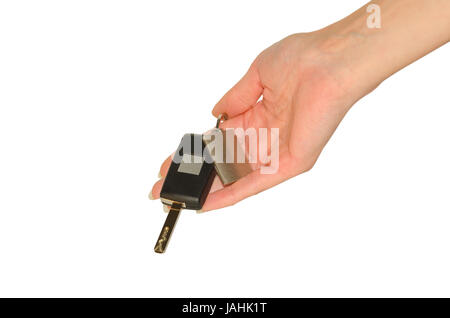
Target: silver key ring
(221, 119)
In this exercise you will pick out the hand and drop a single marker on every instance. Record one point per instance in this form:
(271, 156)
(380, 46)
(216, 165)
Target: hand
(309, 81)
(305, 95)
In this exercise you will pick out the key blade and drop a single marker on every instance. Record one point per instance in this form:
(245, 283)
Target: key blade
(167, 229)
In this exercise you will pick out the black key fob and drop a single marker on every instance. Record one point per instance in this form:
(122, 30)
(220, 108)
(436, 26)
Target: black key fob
(187, 183)
(190, 175)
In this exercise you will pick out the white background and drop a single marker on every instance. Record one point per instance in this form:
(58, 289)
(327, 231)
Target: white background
(95, 94)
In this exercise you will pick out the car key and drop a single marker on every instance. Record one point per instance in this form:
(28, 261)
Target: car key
(186, 184)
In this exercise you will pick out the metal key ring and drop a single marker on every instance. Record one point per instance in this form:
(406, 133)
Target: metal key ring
(222, 117)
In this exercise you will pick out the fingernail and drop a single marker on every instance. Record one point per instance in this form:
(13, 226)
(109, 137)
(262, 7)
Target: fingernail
(159, 175)
(150, 196)
(200, 211)
(166, 208)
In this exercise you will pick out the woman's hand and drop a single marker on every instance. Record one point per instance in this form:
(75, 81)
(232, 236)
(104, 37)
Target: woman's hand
(305, 93)
(309, 81)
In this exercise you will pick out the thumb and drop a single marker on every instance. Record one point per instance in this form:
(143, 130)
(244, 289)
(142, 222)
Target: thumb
(242, 96)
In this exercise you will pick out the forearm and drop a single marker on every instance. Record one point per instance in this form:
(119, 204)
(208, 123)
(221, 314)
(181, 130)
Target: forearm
(409, 30)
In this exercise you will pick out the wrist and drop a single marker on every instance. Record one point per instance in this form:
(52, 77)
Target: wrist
(408, 30)
(358, 52)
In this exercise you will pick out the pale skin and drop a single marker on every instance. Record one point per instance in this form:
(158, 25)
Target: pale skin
(309, 81)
